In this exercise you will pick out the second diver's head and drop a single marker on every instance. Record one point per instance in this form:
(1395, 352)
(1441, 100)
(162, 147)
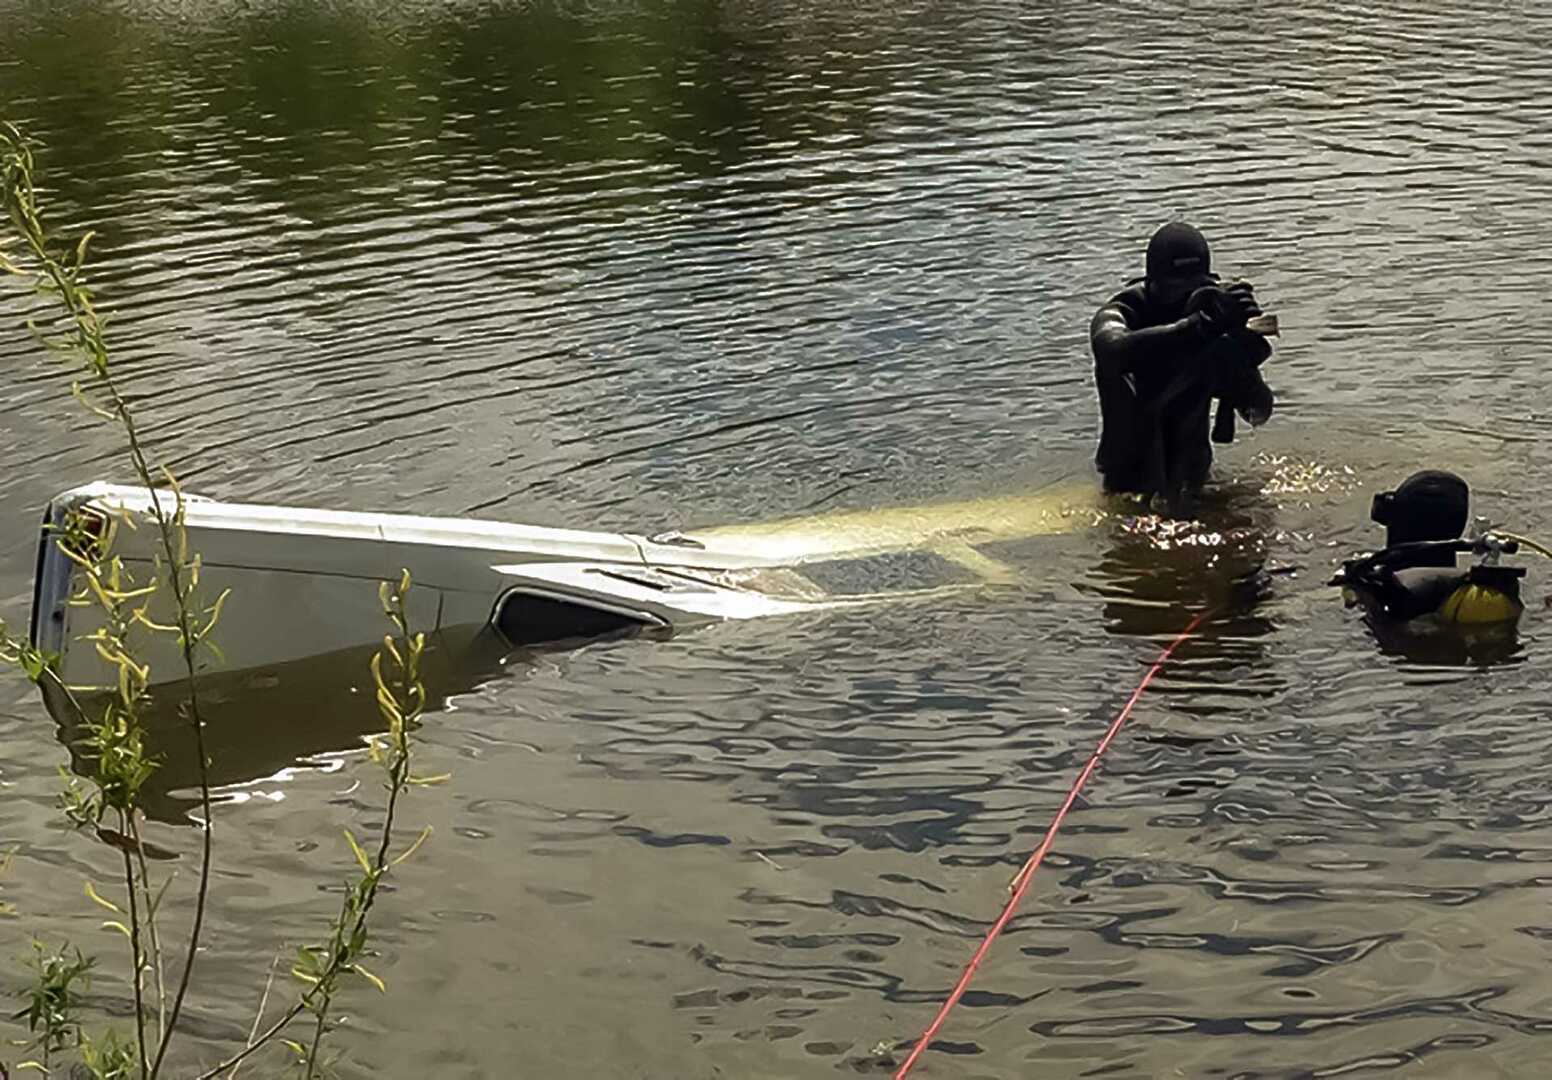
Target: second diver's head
(1429, 505)
(1179, 262)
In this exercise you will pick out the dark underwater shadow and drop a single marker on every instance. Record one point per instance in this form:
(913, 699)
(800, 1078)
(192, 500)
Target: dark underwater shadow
(263, 721)
(1429, 644)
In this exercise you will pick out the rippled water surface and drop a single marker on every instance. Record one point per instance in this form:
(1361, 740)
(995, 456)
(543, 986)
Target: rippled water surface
(646, 266)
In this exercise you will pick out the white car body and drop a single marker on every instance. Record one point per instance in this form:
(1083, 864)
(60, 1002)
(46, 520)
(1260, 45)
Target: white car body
(304, 582)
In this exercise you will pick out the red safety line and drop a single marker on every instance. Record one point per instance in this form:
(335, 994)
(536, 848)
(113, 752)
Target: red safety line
(1020, 883)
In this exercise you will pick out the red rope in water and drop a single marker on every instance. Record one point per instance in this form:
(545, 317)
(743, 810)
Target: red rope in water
(1020, 883)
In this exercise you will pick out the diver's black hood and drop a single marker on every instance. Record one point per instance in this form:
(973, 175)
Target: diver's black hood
(1429, 505)
(1178, 250)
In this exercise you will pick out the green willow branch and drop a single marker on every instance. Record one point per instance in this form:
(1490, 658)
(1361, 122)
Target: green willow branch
(117, 738)
(401, 700)
(86, 340)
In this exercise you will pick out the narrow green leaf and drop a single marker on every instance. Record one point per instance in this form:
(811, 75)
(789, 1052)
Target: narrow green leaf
(366, 864)
(421, 839)
(120, 927)
(369, 977)
(98, 899)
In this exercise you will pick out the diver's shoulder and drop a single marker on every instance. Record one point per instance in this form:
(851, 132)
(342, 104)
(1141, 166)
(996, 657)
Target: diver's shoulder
(1126, 309)
(1133, 298)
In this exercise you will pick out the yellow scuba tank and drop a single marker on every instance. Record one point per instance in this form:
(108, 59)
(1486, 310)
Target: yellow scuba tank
(1476, 604)
(1490, 593)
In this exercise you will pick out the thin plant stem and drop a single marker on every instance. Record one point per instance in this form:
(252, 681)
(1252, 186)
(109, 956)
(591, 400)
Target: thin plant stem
(312, 1054)
(150, 921)
(204, 878)
(134, 945)
(254, 1045)
(258, 1017)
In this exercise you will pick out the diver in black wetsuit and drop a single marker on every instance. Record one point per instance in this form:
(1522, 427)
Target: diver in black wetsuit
(1415, 576)
(1163, 349)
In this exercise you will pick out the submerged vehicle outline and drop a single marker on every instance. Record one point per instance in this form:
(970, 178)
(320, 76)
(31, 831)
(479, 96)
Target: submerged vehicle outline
(317, 571)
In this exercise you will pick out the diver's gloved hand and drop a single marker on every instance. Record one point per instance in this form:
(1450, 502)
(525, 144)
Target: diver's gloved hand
(1242, 305)
(1232, 364)
(1257, 404)
(1219, 310)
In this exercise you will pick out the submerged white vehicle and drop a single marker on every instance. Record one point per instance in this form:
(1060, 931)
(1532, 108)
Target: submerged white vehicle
(304, 582)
